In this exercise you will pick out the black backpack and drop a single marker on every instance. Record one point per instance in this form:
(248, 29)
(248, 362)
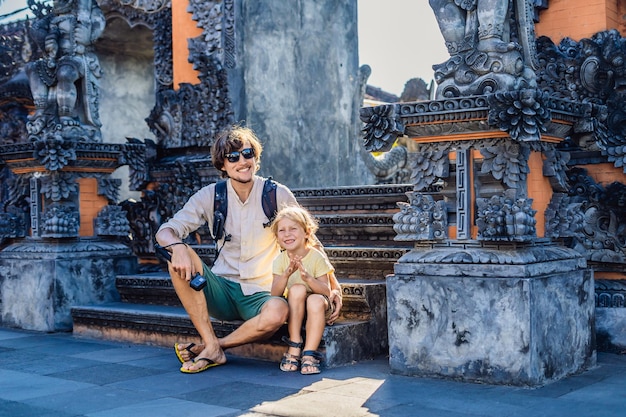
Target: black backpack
(220, 206)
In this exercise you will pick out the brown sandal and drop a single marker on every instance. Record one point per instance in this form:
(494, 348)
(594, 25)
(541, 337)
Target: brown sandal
(289, 360)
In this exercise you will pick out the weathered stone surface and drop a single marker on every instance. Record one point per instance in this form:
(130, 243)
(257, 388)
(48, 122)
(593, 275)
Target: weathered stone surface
(302, 106)
(611, 329)
(359, 334)
(507, 329)
(40, 283)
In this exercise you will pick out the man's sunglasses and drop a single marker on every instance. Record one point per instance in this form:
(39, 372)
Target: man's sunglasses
(233, 157)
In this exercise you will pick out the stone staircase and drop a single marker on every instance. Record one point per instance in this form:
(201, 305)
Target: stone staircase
(356, 228)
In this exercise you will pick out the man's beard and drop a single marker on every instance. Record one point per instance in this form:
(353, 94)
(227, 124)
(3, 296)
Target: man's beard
(242, 182)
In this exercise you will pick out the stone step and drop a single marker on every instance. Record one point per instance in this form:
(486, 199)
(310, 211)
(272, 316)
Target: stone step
(342, 343)
(359, 199)
(156, 289)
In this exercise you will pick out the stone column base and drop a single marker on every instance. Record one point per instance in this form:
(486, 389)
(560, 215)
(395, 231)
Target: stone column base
(523, 317)
(41, 280)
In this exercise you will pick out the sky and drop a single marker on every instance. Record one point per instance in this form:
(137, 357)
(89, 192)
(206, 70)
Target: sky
(398, 39)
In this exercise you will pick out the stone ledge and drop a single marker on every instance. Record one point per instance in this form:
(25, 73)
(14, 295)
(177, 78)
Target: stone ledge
(360, 298)
(342, 343)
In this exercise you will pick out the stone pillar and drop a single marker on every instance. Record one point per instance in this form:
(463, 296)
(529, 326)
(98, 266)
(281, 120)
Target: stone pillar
(40, 281)
(518, 317)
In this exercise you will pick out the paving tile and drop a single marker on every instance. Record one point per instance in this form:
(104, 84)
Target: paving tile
(17, 409)
(19, 386)
(60, 375)
(44, 364)
(242, 395)
(103, 374)
(122, 353)
(404, 410)
(90, 400)
(6, 334)
(37, 345)
(176, 383)
(165, 407)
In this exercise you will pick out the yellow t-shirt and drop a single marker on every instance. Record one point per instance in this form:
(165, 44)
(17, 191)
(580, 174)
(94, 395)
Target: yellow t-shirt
(315, 263)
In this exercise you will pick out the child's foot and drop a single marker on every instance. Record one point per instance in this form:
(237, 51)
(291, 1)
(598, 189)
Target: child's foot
(291, 359)
(310, 362)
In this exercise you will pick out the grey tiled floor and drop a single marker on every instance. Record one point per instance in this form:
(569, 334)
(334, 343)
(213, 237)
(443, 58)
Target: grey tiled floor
(46, 375)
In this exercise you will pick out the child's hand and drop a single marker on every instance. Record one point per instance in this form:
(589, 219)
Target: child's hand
(294, 264)
(303, 273)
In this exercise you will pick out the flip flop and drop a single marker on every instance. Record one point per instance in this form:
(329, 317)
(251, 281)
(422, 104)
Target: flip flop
(188, 349)
(210, 364)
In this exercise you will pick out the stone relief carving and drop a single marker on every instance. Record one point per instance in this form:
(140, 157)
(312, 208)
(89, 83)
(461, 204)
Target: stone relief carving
(522, 113)
(112, 221)
(160, 22)
(180, 118)
(491, 46)
(14, 205)
(65, 81)
(505, 218)
(430, 164)
(508, 162)
(422, 218)
(563, 218)
(60, 220)
(603, 237)
(147, 6)
(610, 293)
(591, 71)
(382, 126)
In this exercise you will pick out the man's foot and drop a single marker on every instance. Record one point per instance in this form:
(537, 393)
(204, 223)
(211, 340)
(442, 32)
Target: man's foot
(206, 359)
(199, 365)
(186, 352)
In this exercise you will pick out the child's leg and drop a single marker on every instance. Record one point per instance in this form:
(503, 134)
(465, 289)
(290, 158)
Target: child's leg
(316, 306)
(296, 299)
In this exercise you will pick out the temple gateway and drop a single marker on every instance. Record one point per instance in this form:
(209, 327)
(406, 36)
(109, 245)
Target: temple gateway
(478, 229)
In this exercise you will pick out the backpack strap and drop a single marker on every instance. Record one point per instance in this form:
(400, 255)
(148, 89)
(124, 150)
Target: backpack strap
(220, 209)
(268, 200)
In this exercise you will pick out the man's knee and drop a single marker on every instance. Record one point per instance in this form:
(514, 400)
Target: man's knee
(274, 314)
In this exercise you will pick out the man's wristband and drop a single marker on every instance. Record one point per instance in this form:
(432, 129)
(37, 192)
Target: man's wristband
(174, 244)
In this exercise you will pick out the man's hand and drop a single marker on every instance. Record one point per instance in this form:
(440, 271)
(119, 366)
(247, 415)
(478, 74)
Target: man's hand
(181, 262)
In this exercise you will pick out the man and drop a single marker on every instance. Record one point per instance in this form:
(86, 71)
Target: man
(240, 280)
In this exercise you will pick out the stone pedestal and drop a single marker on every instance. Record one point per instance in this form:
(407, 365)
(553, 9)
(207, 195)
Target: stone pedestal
(40, 281)
(521, 317)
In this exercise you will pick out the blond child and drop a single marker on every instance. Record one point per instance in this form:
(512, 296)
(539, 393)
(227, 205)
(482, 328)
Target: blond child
(302, 273)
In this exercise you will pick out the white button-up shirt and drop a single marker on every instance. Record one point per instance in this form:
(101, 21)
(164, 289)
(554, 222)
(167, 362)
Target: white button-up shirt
(248, 256)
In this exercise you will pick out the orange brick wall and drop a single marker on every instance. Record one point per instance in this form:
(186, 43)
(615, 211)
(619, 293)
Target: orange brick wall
(90, 204)
(605, 174)
(539, 189)
(183, 28)
(578, 19)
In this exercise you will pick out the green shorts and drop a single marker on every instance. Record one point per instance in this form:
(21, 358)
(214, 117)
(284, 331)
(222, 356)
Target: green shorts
(226, 301)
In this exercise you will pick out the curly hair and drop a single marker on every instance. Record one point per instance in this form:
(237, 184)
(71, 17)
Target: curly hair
(300, 216)
(233, 139)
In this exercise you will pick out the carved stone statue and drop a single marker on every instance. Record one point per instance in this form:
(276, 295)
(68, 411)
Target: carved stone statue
(483, 55)
(64, 82)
